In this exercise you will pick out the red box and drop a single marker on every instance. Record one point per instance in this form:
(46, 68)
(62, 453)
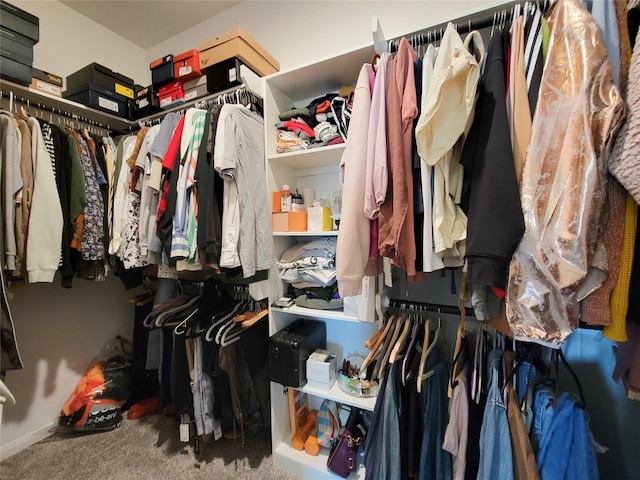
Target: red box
(171, 94)
(186, 66)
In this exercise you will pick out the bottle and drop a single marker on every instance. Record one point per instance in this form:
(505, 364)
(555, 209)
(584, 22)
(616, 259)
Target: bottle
(297, 203)
(286, 199)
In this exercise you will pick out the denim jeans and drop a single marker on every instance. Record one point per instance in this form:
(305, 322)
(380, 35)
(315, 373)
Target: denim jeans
(496, 461)
(543, 414)
(566, 451)
(435, 463)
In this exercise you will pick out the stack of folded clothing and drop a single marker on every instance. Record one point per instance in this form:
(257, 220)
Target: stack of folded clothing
(324, 121)
(310, 268)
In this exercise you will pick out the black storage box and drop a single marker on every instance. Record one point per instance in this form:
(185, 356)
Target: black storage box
(101, 76)
(95, 96)
(223, 75)
(146, 102)
(290, 348)
(47, 77)
(15, 71)
(15, 46)
(162, 71)
(19, 21)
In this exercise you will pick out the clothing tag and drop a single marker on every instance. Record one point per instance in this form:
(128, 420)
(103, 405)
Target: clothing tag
(184, 432)
(217, 429)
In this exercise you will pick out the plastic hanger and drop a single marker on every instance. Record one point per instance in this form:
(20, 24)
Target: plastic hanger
(423, 355)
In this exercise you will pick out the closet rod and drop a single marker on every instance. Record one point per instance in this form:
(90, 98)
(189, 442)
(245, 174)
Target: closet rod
(52, 110)
(195, 101)
(475, 21)
(430, 307)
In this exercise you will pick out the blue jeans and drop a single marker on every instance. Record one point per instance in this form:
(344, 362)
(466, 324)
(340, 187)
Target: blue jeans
(542, 416)
(496, 461)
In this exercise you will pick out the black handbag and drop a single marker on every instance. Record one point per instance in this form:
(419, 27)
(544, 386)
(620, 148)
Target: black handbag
(343, 458)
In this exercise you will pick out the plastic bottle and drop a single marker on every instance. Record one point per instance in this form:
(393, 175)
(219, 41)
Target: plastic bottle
(286, 199)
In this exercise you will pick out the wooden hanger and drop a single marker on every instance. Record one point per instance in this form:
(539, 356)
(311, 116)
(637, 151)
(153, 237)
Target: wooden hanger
(408, 323)
(381, 366)
(367, 360)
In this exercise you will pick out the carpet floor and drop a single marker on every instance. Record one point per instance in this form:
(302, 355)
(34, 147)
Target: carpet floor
(143, 449)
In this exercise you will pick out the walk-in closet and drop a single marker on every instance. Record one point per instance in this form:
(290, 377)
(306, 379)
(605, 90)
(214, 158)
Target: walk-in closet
(378, 240)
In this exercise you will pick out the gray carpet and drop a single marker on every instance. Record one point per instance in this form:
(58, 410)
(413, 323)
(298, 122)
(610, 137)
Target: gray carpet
(148, 448)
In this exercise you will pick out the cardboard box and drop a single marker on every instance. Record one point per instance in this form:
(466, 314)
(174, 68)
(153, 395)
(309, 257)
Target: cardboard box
(238, 43)
(46, 87)
(289, 221)
(162, 70)
(276, 201)
(47, 77)
(195, 88)
(320, 219)
(20, 21)
(321, 369)
(171, 94)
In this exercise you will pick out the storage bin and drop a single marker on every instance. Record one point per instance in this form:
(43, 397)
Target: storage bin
(47, 77)
(46, 87)
(146, 102)
(15, 71)
(15, 46)
(195, 88)
(96, 96)
(238, 43)
(171, 94)
(162, 71)
(102, 76)
(289, 221)
(186, 66)
(20, 22)
(223, 75)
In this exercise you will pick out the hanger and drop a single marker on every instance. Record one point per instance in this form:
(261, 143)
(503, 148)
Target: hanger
(369, 357)
(423, 354)
(381, 366)
(399, 345)
(232, 334)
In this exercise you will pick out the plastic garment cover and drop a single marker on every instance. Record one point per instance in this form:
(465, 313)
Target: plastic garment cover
(560, 259)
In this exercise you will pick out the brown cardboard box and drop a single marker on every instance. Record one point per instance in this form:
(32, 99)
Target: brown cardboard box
(238, 43)
(289, 221)
(46, 87)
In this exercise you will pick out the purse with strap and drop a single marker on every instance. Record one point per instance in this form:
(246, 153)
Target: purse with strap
(343, 458)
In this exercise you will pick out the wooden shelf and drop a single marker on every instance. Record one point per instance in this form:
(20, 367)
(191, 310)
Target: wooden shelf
(54, 104)
(316, 313)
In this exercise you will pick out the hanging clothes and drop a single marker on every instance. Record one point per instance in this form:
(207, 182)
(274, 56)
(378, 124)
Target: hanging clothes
(352, 252)
(557, 263)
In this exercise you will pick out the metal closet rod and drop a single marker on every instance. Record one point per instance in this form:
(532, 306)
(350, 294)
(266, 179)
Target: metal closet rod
(55, 111)
(206, 100)
(430, 307)
(477, 21)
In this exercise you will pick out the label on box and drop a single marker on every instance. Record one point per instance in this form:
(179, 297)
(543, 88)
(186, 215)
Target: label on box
(166, 101)
(142, 103)
(47, 87)
(108, 104)
(122, 90)
(190, 95)
(186, 70)
(232, 75)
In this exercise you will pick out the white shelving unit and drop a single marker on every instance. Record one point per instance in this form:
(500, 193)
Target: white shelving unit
(318, 169)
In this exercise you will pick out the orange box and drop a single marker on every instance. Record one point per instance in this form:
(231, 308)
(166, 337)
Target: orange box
(276, 202)
(289, 221)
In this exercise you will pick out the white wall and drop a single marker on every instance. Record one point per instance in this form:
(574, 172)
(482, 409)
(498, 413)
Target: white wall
(58, 330)
(297, 32)
(70, 41)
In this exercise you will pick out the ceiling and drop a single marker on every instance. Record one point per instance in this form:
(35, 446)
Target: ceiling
(148, 22)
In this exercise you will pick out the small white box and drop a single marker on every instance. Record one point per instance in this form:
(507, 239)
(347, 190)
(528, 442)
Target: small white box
(321, 369)
(319, 219)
